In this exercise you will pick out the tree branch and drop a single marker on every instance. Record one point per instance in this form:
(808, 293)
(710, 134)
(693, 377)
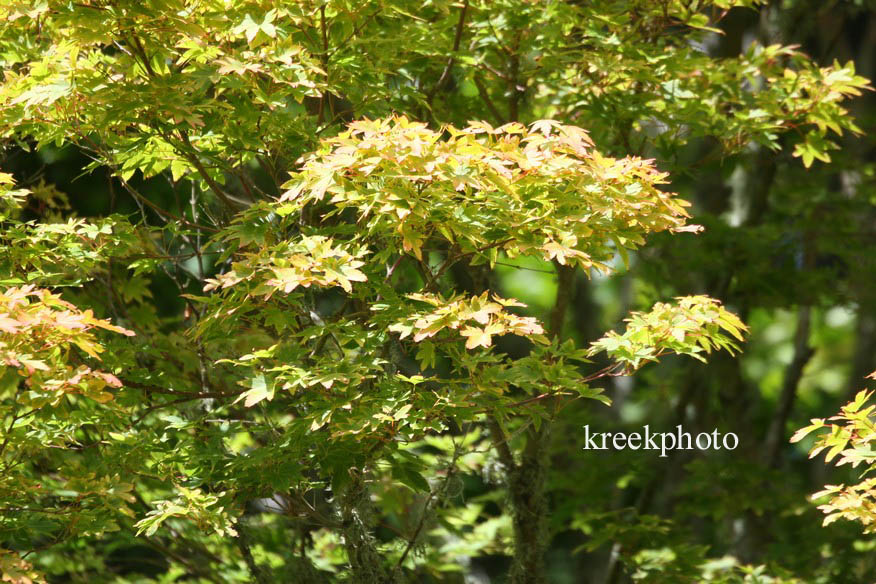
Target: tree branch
(433, 495)
(566, 279)
(485, 97)
(457, 39)
(260, 575)
(192, 156)
(500, 442)
(803, 352)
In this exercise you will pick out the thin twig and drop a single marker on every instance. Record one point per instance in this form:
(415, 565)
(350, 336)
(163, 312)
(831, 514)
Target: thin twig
(189, 394)
(192, 156)
(353, 34)
(485, 97)
(500, 443)
(433, 495)
(450, 61)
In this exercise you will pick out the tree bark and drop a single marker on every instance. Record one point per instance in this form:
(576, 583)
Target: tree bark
(793, 374)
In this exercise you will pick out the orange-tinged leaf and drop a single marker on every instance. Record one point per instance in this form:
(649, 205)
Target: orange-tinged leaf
(476, 337)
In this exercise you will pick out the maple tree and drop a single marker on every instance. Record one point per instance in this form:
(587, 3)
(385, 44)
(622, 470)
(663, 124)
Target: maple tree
(850, 439)
(283, 349)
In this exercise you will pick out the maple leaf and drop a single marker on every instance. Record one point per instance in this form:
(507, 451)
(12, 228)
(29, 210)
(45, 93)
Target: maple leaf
(9, 325)
(476, 337)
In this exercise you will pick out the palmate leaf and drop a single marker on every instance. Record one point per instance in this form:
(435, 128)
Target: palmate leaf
(849, 436)
(15, 570)
(690, 326)
(258, 391)
(202, 508)
(37, 329)
(553, 194)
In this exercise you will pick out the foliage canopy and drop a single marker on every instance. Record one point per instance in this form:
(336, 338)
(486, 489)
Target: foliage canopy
(278, 347)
